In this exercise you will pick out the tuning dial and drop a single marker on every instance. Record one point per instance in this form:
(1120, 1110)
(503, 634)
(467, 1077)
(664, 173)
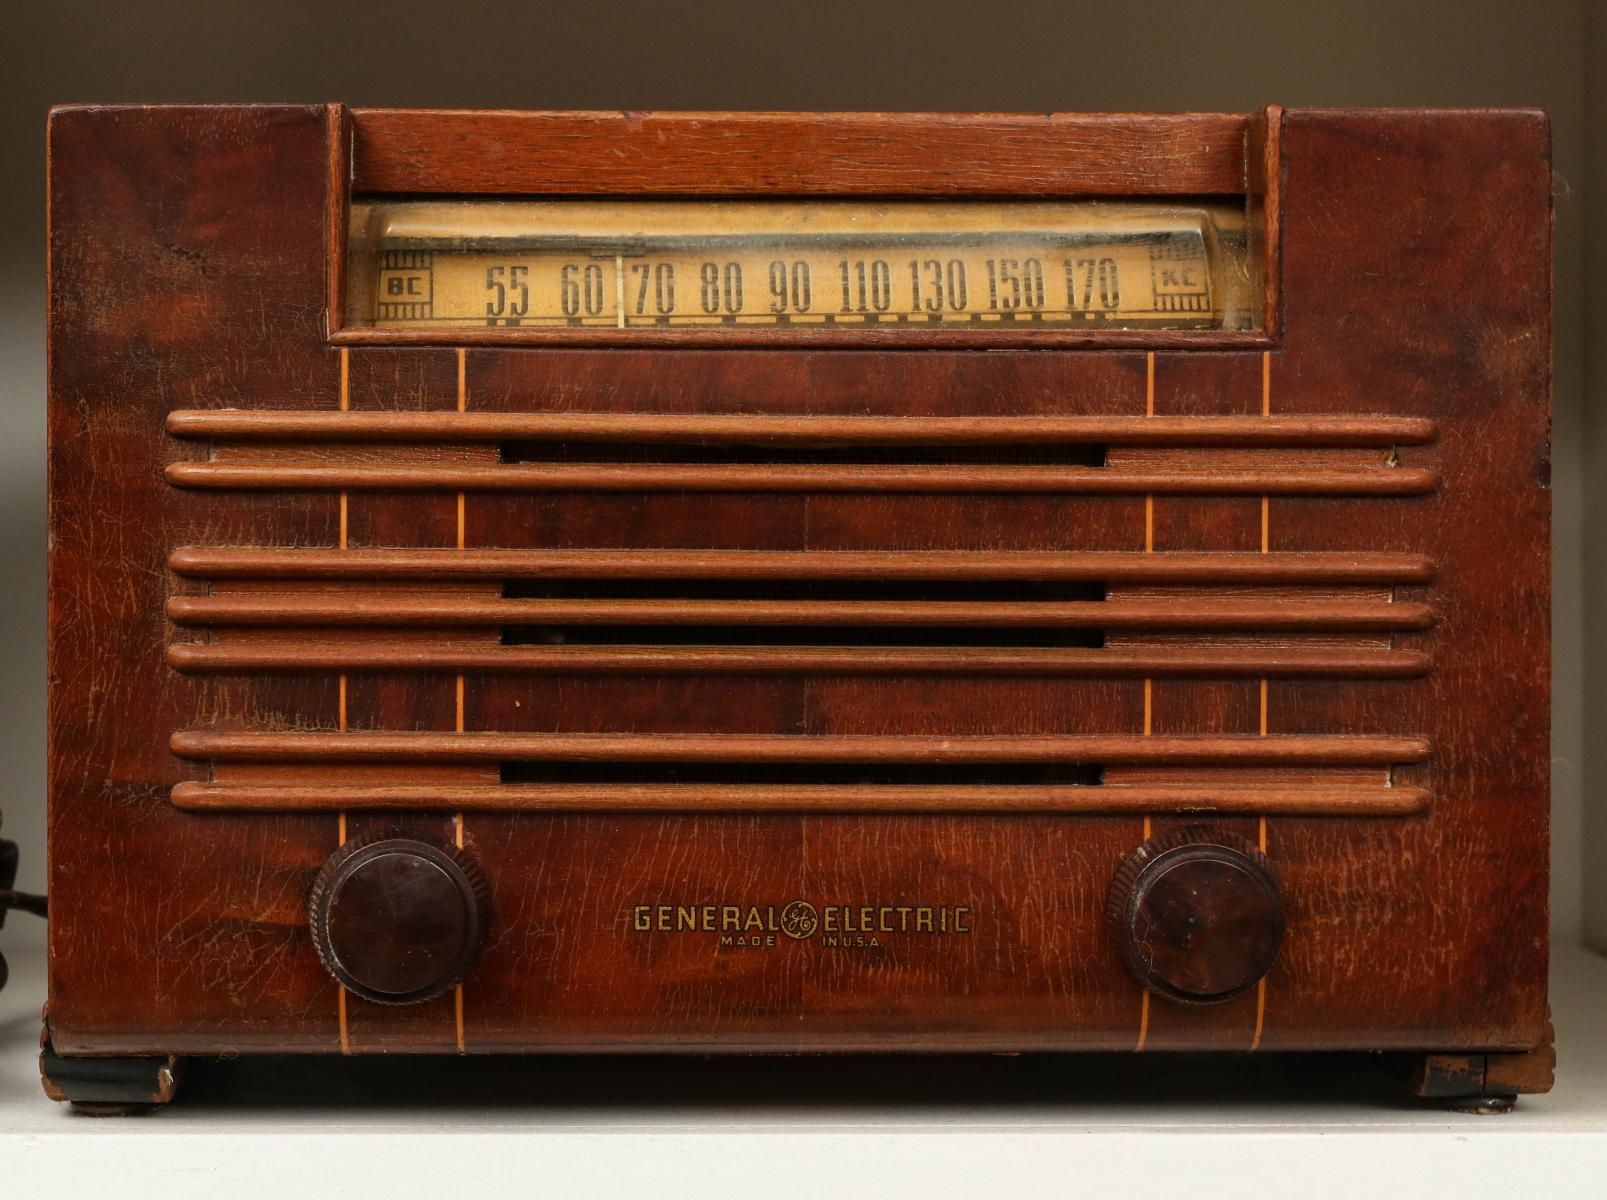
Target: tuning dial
(398, 921)
(1196, 917)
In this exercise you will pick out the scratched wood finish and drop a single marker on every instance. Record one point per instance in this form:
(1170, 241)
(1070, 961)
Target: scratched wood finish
(790, 154)
(1416, 920)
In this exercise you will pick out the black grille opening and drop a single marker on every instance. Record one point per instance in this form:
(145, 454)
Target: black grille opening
(1060, 455)
(795, 774)
(797, 635)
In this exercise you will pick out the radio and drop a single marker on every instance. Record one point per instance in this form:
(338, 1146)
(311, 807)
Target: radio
(552, 582)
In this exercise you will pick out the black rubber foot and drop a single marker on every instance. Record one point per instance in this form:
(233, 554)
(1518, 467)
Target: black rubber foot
(1487, 1084)
(108, 1087)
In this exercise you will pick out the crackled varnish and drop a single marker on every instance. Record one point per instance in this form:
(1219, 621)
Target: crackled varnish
(819, 639)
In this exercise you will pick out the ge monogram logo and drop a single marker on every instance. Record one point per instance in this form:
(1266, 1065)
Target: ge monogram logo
(799, 919)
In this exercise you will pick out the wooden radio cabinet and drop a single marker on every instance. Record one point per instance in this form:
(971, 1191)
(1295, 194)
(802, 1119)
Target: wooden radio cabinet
(771, 582)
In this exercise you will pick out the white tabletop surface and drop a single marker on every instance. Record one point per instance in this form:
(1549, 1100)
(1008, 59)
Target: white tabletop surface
(774, 1127)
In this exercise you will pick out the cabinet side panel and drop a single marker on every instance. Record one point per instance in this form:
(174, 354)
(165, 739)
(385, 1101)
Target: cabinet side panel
(1417, 256)
(186, 270)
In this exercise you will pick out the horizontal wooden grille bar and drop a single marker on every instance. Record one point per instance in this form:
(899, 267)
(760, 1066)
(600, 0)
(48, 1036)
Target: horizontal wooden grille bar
(793, 477)
(1345, 801)
(280, 609)
(1228, 661)
(227, 562)
(493, 747)
(768, 428)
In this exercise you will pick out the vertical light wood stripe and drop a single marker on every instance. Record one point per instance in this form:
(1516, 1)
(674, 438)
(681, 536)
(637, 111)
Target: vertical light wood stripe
(340, 723)
(1260, 1013)
(1149, 524)
(1261, 823)
(1149, 683)
(345, 406)
(340, 714)
(457, 818)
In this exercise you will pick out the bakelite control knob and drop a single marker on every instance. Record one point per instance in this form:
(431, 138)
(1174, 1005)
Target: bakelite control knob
(398, 921)
(1196, 917)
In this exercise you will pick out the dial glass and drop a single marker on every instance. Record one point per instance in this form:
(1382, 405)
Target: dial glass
(828, 265)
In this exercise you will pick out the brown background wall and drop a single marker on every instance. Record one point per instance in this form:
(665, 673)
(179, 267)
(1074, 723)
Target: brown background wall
(827, 54)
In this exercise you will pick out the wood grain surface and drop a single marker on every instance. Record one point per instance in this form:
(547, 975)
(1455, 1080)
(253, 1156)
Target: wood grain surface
(791, 154)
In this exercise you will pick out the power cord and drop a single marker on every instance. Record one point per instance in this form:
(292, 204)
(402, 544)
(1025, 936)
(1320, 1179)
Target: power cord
(10, 898)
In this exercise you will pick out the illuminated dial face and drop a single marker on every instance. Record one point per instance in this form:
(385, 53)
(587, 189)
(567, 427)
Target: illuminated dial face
(826, 265)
